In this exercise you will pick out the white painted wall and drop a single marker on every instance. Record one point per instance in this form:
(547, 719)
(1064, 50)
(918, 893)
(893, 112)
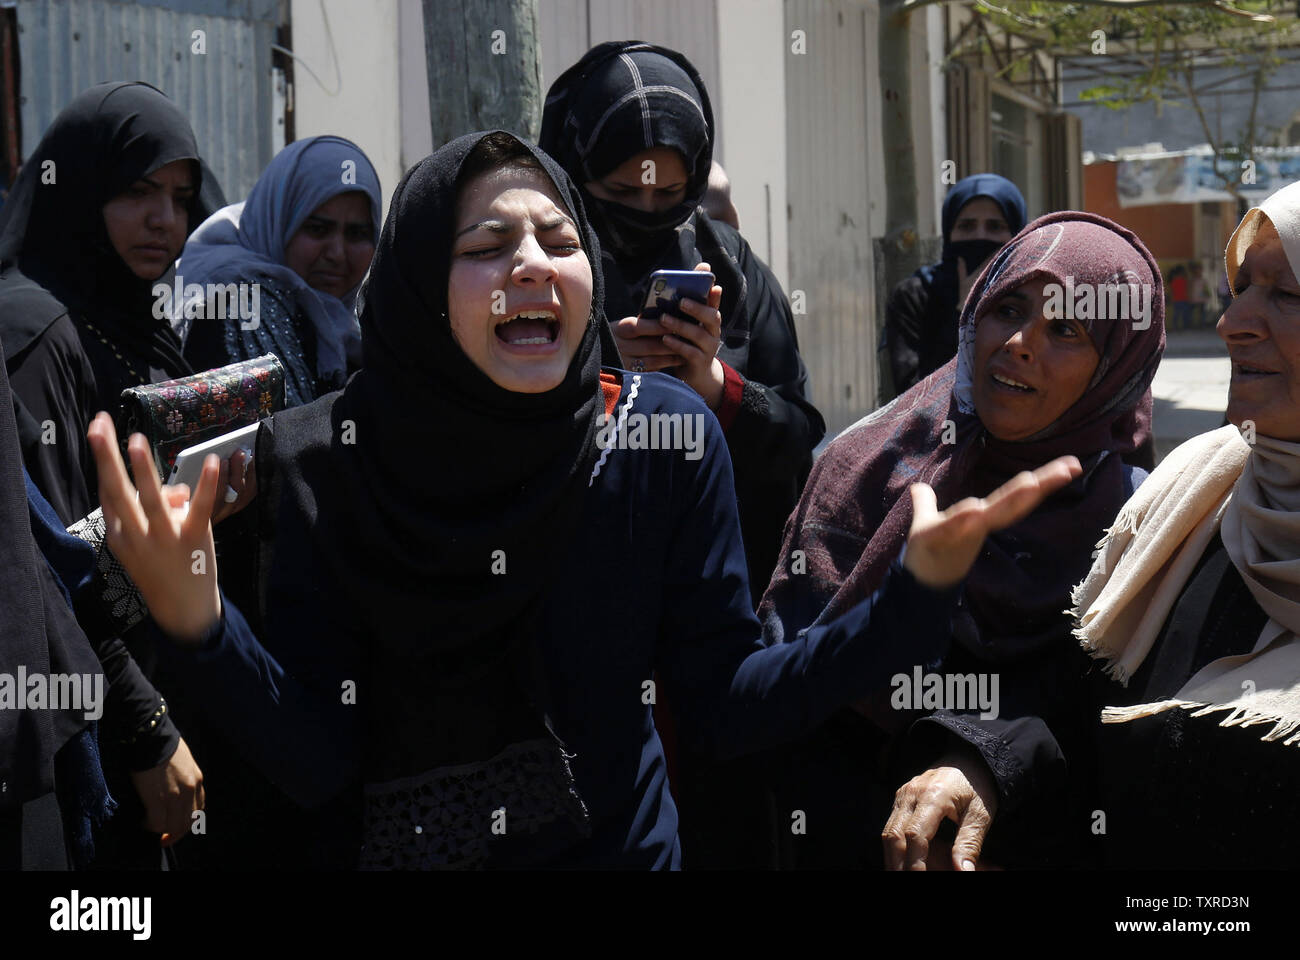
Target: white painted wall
(417, 129)
(750, 108)
(360, 97)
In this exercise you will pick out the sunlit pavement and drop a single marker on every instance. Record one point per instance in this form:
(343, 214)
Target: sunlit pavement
(1191, 387)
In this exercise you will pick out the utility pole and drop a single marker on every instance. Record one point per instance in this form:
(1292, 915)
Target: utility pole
(484, 67)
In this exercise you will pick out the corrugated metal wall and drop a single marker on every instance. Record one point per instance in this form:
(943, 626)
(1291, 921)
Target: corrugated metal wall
(835, 197)
(68, 45)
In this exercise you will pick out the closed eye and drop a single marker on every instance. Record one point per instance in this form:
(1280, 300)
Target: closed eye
(560, 237)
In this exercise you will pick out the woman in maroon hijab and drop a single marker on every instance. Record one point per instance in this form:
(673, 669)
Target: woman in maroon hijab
(1059, 342)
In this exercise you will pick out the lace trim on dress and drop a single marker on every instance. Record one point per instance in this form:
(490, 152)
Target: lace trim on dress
(119, 597)
(1002, 761)
(450, 818)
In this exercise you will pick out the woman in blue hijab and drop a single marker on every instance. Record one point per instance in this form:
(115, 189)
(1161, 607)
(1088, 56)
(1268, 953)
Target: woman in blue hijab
(304, 238)
(980, 214)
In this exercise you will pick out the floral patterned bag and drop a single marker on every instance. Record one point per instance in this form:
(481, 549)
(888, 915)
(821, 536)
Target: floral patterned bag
(176, 414)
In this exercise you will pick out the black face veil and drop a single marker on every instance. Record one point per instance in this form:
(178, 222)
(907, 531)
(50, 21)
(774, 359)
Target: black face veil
(622, 98)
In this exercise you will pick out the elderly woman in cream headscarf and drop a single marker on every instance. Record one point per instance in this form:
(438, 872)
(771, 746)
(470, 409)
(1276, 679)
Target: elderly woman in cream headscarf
(1193, 602)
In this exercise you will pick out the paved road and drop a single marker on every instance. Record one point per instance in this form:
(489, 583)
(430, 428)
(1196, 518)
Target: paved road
(1190, 389)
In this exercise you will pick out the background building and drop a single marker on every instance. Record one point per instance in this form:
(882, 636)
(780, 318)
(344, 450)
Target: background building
(795, 86)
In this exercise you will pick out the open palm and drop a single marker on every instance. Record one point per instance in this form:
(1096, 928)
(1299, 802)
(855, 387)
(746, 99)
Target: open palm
(942, 544)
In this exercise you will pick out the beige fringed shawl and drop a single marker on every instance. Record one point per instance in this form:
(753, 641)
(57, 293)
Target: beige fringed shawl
(1251, 494)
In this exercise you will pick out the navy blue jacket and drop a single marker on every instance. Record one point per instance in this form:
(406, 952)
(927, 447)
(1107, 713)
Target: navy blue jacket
(657, 589)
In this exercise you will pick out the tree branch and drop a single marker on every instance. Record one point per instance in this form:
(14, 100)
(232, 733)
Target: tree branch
(1125, 4)
(1229, 183)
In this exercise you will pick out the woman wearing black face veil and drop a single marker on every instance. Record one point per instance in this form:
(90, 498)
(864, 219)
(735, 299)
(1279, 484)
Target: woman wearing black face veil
(980, 214)
(623, 104)
(470, 582)
(620, 101)
(76, 299)
(99, 213)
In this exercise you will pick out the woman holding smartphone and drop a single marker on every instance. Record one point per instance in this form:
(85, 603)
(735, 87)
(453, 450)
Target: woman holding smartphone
(444, 662)
(632, 125)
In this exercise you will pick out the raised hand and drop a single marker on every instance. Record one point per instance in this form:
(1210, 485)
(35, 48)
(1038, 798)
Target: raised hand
(166, 548)
(942, 545)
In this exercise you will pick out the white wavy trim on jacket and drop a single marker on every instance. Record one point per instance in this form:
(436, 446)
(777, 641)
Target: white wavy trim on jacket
(618, 429)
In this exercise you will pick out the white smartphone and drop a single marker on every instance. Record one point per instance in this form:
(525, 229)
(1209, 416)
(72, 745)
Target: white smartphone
(189, 462)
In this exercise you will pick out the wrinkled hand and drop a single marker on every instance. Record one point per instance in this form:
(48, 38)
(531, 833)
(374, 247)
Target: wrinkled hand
(942, 546)
(240, 474)
(958, 788)
(167, 549)
(171, 792)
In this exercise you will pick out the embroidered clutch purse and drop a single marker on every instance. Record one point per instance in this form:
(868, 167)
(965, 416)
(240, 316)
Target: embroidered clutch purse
(176, 414)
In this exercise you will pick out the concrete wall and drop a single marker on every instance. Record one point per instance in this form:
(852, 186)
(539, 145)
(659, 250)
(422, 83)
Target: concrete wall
(751, 107)
(353, 50)
(417, 133)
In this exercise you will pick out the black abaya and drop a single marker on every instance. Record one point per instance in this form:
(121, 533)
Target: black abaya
(624, 97)
(78, 325)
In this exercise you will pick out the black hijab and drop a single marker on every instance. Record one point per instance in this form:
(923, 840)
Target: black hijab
(55, 251)
(447, 467)
(620, 99)
(401, 490)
